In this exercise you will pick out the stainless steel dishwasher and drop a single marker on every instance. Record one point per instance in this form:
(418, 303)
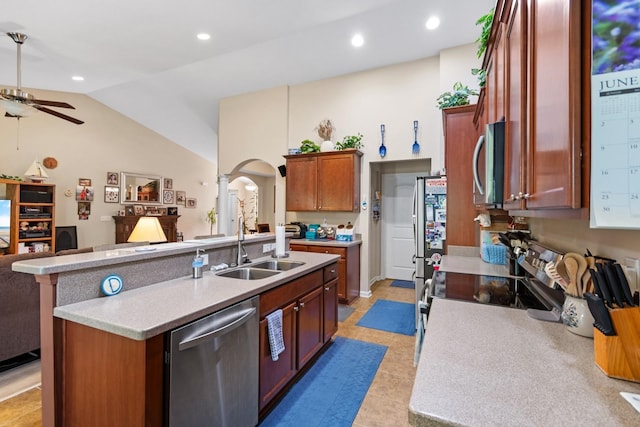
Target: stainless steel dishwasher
(212, 367)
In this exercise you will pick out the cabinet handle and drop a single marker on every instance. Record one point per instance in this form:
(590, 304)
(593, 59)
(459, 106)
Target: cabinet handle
(513, 198)
(523, 196)
(301, 305)
(333, 271)
(326, 288)
(296, 308)
(326, 252)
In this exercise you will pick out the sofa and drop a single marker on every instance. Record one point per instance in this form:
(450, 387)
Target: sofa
(20, 306)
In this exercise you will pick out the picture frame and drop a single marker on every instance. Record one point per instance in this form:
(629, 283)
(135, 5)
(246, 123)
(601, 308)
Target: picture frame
(128, 210)
(111, 194)
(167, 197)
(152, 211)
(112, 178)
(121, 212)
(181, 197)
(138, 210)
(172, 211)
(84, 208)
(84, 193)
(168, 183)
(191, 202)
(85, 182)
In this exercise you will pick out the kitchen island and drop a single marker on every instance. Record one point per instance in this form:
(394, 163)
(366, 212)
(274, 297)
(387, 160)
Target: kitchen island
(484, 365)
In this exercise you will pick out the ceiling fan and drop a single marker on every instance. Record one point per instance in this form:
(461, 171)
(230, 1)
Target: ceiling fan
(18, 103)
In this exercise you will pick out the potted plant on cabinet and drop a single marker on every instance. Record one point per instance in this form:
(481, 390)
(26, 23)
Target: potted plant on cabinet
(350, 142)
(459, 96)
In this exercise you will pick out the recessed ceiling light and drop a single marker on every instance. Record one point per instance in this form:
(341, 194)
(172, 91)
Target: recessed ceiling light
(77, 78)
(432, 23)
(357, 40)
(203, 36)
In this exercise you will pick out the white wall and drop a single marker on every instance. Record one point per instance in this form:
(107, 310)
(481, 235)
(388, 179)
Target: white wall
(106, 142)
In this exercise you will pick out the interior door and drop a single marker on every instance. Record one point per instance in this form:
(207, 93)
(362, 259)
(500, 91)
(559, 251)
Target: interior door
(397, 225)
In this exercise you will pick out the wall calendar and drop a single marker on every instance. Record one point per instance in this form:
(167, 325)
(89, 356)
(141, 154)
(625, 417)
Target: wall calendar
(615, 118)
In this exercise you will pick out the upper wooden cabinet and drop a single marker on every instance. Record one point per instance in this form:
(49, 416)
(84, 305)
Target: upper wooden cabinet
(534, 64)
(328, 181)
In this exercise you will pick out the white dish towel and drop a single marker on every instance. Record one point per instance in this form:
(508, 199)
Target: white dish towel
(274, 325)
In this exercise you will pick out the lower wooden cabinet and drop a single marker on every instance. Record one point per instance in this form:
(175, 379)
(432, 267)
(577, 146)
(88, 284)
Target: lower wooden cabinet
(348, 267)
(309, 320)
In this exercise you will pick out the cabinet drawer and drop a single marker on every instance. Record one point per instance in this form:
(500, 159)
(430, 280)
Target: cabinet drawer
(280, 296)
(297, 247)
(330, 272)
(329, 250)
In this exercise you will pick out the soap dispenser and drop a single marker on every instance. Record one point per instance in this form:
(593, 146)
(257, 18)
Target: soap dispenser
(197, 264)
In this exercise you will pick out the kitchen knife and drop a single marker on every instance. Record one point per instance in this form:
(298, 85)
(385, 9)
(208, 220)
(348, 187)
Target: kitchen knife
(624, 284)
(601, 284)
(614, 286)
(600, 314)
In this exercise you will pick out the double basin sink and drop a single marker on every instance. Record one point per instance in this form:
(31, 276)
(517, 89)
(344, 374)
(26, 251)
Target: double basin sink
(260, 270)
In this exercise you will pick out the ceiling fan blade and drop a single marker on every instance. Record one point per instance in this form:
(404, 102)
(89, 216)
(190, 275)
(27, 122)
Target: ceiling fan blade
(52, 103)
(60, 115)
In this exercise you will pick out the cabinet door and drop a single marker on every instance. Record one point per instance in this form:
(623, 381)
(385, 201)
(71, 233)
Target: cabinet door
(310, 337)
(342, 267)
(274, 375)
(330, 307)
(301, 183)
(296, 247)
(553, 158)
(338, 183)
(516, 126)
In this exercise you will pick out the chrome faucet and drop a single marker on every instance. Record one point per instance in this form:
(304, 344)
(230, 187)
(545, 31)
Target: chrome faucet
(242, 253)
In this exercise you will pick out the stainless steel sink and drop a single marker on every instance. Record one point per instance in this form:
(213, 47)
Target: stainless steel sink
(248, 273)
(278, 265)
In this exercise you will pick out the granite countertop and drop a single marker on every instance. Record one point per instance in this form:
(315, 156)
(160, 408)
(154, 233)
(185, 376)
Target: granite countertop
(483, 365)
(60, 264)
(145, 312)
(325, 242)
(472, 265)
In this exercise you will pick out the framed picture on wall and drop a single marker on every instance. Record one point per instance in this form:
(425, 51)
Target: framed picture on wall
(138, 210)
(192, 202)
(128, 210)
(167, 197)
(111, 194)
(85, 182)
(112, 178)
(168, 183)
(172, 211)
(181, 197)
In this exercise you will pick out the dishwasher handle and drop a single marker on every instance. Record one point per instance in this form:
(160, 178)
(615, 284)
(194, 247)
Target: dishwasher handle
(241, 318)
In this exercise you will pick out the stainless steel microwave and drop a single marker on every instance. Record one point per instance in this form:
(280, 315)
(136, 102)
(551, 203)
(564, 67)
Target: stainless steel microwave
(488, 166)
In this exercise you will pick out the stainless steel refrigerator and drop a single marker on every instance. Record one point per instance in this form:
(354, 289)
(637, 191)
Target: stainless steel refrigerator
(429, 225)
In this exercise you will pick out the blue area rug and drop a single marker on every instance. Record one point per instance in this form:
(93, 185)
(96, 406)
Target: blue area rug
(390, 316)
(344, 311)
(331, 391)
(403, 284)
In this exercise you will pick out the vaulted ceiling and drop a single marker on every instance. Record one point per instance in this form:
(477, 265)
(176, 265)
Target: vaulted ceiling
(142, 58)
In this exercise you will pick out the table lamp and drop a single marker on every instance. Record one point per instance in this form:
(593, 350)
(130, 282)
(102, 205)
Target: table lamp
(147, 229)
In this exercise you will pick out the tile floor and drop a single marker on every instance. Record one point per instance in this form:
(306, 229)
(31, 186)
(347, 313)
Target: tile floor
(386, 402)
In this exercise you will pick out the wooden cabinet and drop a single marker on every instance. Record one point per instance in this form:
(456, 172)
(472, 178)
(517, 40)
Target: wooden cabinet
(543, 53)
(126, 224)
(348, 267)
(32, 223)
(327, 181)
(460, 137)
(308, 305)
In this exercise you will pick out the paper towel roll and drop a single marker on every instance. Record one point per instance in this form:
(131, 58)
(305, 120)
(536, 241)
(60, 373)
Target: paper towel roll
(280, 243)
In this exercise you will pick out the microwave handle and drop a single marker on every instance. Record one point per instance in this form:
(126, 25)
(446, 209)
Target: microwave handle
(476, 155)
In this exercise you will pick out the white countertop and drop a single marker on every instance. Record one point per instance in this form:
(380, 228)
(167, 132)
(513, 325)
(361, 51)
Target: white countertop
(151, 310)
(326, 242)
(472, 265)
(492, 366)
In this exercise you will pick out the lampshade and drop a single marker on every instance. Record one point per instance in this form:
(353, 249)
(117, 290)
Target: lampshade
(147, 229)
(36, 172)
(17, 109)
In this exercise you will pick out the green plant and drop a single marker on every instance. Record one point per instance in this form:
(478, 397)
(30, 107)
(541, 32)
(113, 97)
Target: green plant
(350, 141)
(211, 219)
(483, 39)
(308, 146)
(459, 96)
(482, 76)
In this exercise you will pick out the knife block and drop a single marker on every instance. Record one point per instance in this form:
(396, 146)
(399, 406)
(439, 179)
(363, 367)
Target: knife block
(619, 355)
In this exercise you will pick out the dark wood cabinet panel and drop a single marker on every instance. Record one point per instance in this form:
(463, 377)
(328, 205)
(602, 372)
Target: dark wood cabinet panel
(328, 181)
(348, 270)
(126, 224)
(460, 137)
(310, 322)
(275, 375)
(330, 307)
